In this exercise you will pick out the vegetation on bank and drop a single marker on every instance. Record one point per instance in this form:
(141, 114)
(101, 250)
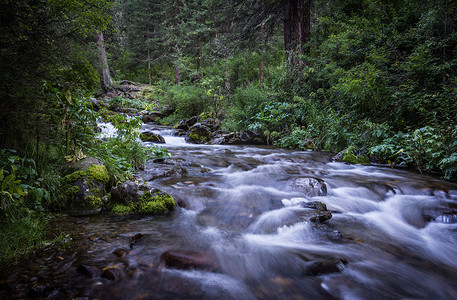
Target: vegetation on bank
(375, 79)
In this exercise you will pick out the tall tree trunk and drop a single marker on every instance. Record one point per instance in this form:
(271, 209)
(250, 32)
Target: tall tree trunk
(296, 27)
(149, 67)
(105, 77)
(177, 76)
(262, 50)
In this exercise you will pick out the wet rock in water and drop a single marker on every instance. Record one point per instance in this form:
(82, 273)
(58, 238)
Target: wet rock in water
(315, 205)
(113, 273)
(152, 117)
(246, 137)
(88, 271)
(148, 136)
(311, 187)
(121, 252)
(186, 124)
(322, 267)
(188, 259)
(251, 138)
(179, 132)
(84, 186)
(133, 198)
(38, 291)
(165, 172)
(321, 216)
(211, 123)
(135, 239)
(198, 134)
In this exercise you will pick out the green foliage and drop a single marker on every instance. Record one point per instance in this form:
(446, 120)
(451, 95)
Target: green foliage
(245, 103)
(123, 153)
(120, 102)
(21, 236)
(189, 100)
(20, 187)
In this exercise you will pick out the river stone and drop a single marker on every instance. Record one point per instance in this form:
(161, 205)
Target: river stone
(113, 273)
(133, 198)
(84, 186)
(246, 137)
(321, 216)
(148, 136)
(186, 124)
(251, 138)
(88, 271)
(189, 259)
(198, 134)
(211, 123)
(321, 267)
(152, 117)
(179, 132)
(311, 187)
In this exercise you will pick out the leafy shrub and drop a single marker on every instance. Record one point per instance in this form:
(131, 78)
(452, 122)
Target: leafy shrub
(121, 102)
(189, 100)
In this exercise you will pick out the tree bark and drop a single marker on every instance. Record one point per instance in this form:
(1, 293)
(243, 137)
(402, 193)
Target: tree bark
(297, 25)
(262, 50)
(105, 77)
(149, 67)
(177, 76)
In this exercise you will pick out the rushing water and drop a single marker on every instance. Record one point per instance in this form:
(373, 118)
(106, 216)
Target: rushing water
(393, 234)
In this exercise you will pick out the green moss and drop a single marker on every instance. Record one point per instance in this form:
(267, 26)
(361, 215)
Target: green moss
(98, 173)
(74, 176)
(93, 202)
(168, 200)
(195, 137)
(352, 159)
(71, 190)
(203, 116)
(151, 207)
(122, 209)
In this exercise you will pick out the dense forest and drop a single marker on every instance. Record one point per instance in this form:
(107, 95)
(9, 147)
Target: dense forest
(374, 80)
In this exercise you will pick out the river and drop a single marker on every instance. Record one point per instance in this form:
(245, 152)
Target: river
(244, 230)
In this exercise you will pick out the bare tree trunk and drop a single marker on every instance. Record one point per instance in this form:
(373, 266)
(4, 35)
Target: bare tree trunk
(149, 67)
(177, 76)
(105, 77)
(262, 50)
(296, 27)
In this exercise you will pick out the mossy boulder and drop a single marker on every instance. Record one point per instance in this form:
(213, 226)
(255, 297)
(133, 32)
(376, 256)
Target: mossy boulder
(348, 157)
(84, 185)
(353, 159)
(186, 124)
(133, 198)
(198, 134)
(149, 136)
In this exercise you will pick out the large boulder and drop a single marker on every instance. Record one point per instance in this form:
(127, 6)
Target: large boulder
(149, 136)
(133, 198)
(211, 123)
(186, 124)
(84, 186)
(189, 259)
(311, 187)
(151, 117)
(198, 134)
(246, 137)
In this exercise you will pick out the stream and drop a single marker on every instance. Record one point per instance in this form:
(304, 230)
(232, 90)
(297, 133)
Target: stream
(244, 230)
